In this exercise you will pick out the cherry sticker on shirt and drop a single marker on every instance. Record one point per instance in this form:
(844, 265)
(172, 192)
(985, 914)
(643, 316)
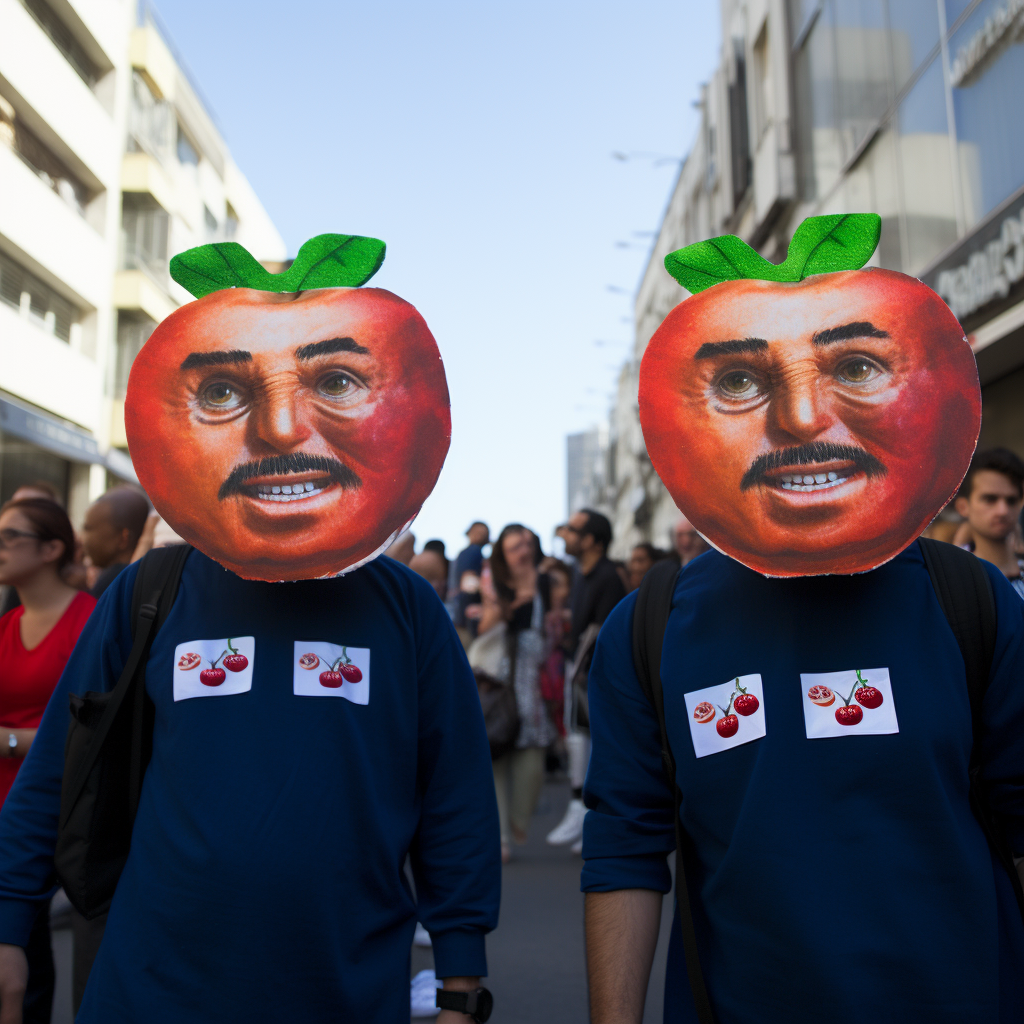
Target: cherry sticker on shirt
(726, 715)
(853, 703)
(322, 669)
(212, 668)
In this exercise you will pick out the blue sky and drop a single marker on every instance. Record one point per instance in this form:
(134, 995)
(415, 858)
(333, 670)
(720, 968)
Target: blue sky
(475, 139)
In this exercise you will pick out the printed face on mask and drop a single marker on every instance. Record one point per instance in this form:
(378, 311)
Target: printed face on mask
(289, 435)
(814, 427)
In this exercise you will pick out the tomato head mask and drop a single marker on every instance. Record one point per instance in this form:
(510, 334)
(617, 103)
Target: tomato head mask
(814, 421)
(289, 428)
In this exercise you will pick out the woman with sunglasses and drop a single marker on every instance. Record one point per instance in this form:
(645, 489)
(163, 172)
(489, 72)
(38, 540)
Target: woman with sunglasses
(36, 640)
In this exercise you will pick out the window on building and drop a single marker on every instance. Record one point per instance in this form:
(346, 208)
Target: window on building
(64, 40)
(187, 153)
(210, 224)
(145, 228)
(764, 105)
(152, 126)
(913, 36)
(40, 159)
(739, 128)
(36, 301)
(132, 333)
(926, 163)
(22, 462)
(987, 72)
(230, 223)
(820, 153)
(863, 87)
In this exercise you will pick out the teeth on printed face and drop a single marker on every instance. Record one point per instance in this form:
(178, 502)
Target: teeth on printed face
(807, 482)
(290, 492)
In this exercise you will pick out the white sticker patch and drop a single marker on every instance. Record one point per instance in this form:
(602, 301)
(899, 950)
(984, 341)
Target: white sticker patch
(321, 669)
(854, 703)
(213, 668)
(727, 715)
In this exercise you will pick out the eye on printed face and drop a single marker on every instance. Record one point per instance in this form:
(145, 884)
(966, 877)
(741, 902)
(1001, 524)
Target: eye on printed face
(814, 427)
(289, 436)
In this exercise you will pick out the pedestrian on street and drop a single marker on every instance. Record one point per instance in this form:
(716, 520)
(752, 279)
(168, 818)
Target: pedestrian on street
(36, 640)
(111, 530)
(598, 589)
(312, 718)
(517, 602)
(990, 499)
(464, 596)
(824, 716)
(687, 543)
(641, 561)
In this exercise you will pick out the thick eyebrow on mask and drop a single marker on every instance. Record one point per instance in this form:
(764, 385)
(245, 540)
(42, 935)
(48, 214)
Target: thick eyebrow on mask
(730, 348)
(194, 359)
(323, 348)
(857, 329)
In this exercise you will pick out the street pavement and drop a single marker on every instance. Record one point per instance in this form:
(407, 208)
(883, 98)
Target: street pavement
(536, 957)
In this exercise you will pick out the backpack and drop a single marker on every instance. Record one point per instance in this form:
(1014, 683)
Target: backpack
(107, 749)
(965, 595)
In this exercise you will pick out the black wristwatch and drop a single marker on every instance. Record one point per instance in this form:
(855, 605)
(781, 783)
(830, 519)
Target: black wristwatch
(477, 1005)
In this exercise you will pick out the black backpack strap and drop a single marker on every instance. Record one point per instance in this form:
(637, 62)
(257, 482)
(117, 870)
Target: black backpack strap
(965, 594)
(156, 587)
(650, 619)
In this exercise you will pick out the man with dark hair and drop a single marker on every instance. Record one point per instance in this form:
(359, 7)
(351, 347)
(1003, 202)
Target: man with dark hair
(112, 527)
(990, 499)
(464, 581)
(599, 588)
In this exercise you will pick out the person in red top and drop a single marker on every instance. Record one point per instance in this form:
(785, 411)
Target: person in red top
(36, 640)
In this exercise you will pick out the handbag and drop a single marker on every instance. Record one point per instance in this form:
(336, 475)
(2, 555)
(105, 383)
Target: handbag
(497, 696)
(107, 750)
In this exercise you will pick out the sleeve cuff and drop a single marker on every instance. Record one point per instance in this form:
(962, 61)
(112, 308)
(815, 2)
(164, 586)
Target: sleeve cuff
(459, 954)
(16, 920)
(606, 874)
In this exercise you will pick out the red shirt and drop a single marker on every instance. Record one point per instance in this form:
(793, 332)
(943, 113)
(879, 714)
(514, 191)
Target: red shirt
(27, 678)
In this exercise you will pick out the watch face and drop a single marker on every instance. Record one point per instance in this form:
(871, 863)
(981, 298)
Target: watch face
(484, 1005)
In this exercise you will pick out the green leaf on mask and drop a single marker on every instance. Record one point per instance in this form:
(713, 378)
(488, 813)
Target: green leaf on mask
(820, 245)
(823, 245)
(326, 261)
(335, 261)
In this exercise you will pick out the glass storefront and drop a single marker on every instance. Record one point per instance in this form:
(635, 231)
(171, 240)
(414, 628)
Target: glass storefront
(22, 462)
(873, 86)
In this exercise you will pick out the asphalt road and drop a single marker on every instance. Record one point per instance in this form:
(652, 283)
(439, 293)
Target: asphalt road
(535, 956)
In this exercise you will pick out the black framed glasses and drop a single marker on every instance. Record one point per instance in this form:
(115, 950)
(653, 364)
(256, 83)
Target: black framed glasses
(9, 536)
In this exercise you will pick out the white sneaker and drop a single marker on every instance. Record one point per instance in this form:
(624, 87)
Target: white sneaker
(423, 995)
(577, 847)
(422, 936)
(570, 828)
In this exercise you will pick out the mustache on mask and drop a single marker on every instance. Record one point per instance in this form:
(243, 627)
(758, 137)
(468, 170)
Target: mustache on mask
(803, 454)
(280, 465)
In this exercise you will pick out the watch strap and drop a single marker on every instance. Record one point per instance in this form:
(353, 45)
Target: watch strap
(475, 1004)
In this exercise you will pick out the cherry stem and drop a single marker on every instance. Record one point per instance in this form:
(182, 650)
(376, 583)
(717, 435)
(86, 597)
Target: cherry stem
(725, 711)
(230, 648)
(861, 681)
(344, 654)
(335, 664)
(213, 664)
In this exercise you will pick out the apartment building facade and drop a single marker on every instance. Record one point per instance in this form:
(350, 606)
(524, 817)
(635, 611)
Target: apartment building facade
(901, 107)
(110, 162)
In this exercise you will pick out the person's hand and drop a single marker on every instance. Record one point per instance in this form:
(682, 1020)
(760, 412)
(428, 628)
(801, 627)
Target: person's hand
(13, 979)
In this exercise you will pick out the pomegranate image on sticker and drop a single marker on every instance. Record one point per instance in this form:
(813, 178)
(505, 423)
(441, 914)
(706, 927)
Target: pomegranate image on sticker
(704, 711)
(309, 661)
(189, 661)
(822, 696)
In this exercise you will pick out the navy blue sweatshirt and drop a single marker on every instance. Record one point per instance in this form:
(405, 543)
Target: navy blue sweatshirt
(265, 881)
(836, 869)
